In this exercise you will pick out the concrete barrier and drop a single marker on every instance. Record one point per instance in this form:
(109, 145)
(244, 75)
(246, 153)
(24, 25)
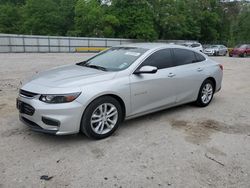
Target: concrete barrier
(10, 43)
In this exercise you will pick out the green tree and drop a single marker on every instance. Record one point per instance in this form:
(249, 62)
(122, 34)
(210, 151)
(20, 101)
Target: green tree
(41, 18)
(109, 23)
(14, 2)
(9, 18)
(136, 19)
(88, 14)
(93, 19)
(241, 30)
(210, 20)
(204, 20)
(67, 15)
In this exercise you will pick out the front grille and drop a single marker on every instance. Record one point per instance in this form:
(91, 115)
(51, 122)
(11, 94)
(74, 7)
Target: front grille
(25, 108)
(27, 93)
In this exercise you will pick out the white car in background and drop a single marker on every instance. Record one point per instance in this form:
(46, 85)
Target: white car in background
(194, 45)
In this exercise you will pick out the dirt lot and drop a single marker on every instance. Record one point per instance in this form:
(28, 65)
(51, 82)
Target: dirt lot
(185, 146)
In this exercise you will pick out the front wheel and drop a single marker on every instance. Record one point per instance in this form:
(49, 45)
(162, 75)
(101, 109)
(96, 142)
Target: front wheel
(101, 118)
(206, 93)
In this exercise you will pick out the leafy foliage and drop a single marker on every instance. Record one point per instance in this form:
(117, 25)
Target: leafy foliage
(204, 20)
(9, 18)
(41, 17)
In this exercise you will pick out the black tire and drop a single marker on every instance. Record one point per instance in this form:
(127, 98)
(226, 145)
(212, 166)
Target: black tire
(199, 102)
(245, 54)
(86, 118)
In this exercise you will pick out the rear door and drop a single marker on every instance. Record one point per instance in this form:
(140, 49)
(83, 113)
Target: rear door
(189, 70)
(223, 50)
(151, 91)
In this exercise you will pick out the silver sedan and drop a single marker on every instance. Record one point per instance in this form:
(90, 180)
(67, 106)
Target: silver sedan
(216, 50)
(123, 82)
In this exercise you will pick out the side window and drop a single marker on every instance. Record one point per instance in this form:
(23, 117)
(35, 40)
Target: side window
(199, 57)
(160, 59)
(195, 45)
(183, 57)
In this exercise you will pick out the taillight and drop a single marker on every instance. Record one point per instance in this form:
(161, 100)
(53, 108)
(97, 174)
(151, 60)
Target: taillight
(221, 66)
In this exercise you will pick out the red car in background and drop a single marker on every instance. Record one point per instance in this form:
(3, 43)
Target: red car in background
(241, 50)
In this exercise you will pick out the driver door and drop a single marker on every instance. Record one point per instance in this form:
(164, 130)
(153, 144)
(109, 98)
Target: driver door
(150, 91)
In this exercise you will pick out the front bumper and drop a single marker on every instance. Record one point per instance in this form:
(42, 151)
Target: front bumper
(209, 54)
(58, 119)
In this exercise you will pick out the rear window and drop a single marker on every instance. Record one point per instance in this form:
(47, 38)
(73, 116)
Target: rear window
(199, 57)
(183, 56)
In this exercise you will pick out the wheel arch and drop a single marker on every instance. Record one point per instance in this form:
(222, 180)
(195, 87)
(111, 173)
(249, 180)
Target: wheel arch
(212, 80)
(115, 96)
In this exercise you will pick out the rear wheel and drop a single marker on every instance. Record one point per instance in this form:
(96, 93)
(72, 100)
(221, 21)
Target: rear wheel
(205, 94)
(101, 118)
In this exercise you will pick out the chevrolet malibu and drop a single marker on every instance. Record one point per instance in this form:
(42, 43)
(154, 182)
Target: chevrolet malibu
(124, 82)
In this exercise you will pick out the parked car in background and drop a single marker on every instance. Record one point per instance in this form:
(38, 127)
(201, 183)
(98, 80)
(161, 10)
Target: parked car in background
(241, 50)
(216, 50)
(195, 45)
(123, 82)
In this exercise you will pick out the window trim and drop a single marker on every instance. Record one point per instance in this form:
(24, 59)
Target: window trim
(151, 53)
(172, 55)
(176, 65)
(197, 57)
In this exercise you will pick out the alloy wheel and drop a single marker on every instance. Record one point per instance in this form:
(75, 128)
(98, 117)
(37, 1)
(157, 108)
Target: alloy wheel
(104, 118)
(207, 93)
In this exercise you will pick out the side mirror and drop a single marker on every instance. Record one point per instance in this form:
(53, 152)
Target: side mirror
(146, 70)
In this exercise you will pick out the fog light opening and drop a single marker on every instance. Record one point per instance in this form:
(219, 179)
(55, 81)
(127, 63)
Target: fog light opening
(50, 121)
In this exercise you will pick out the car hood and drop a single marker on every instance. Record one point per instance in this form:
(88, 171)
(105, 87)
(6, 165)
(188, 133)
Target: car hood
(69, 76)
(210, 49)
(238, 49)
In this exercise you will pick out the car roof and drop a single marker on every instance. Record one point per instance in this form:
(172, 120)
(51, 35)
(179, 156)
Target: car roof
(190, 43)
(150, 46)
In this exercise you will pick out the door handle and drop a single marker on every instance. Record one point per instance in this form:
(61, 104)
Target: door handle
(170, 75)
(200, 69)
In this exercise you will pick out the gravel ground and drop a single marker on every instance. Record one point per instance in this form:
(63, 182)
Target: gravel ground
(184, 146)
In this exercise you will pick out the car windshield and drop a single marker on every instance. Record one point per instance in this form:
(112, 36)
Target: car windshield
(114, 59)
(214, 46)
(241, 46)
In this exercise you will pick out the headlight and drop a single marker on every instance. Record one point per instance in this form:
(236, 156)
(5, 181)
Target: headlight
(64, 98)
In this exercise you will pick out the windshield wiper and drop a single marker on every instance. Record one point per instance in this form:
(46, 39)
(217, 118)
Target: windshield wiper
(96, 67)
